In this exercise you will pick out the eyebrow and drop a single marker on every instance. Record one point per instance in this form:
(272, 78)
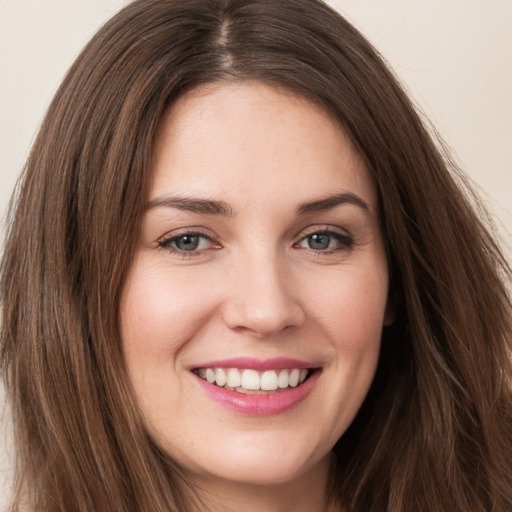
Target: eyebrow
(329, 202)
(201, 206)
(221, 208)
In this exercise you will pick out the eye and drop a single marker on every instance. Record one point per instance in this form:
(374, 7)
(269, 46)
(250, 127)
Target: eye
(326, 241)
(188, 244)
(318, 241)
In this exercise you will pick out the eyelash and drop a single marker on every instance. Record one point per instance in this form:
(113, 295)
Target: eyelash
(345, 241)
(166, 244)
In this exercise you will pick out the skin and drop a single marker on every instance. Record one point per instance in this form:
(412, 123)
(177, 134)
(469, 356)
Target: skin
(254, 287)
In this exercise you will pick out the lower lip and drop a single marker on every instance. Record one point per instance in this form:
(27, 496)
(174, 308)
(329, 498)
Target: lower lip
(260, 404)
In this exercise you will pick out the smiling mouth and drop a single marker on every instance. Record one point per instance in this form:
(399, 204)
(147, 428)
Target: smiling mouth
(251, 381)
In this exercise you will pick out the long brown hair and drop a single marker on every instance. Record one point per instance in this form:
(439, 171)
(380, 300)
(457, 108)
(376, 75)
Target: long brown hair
(434, 433)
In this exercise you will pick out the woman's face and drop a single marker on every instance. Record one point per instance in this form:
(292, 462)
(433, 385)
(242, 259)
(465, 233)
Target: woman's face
(252, 314)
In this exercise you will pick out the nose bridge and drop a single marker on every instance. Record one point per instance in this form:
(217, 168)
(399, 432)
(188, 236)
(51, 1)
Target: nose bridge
(262, 299)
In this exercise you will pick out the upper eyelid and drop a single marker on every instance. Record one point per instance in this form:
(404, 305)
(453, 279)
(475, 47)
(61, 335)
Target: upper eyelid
(196, 230)
(185, 233)
(321, 228)
(204, 231)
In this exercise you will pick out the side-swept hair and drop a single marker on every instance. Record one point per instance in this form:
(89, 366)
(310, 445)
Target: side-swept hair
(434, 433)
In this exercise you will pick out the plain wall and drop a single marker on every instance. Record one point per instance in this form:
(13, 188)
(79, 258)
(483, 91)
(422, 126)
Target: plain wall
(455, 56)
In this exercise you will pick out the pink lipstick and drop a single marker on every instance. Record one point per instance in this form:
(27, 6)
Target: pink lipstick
(257, 387)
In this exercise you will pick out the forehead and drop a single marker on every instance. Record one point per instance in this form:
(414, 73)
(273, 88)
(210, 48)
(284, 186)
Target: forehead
(257, 141)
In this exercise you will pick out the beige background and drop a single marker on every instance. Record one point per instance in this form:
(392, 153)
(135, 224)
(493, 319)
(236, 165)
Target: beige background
(455, 57)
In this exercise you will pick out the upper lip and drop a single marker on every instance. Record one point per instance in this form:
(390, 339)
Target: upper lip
(275, 363)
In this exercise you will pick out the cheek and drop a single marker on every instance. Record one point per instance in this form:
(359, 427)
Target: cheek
(351, 305)
(159, 314)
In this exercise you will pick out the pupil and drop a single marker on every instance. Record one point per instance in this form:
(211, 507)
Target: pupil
(319, 241)
(187, 242)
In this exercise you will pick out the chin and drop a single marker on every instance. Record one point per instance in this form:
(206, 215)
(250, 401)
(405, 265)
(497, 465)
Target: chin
(253, 465)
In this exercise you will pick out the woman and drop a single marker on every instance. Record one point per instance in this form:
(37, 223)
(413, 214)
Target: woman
(240, 275)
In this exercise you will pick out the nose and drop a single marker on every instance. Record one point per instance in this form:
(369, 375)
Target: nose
(262, 297)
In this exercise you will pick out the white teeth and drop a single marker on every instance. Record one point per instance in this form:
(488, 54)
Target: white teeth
(220, 377)
(252, 380)
(293, 379)
(282, 381)
(234, 378)
(269, 380)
